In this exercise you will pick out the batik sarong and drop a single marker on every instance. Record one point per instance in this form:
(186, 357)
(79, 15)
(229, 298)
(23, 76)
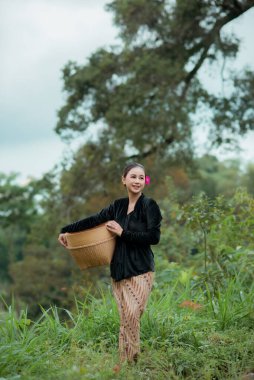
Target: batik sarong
(131, 297)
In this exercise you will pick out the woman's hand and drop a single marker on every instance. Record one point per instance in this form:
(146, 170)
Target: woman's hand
(62, 240)
(114, 227)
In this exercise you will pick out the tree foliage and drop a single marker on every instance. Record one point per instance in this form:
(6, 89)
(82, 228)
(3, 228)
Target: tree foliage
(146, 93)
(17, 213)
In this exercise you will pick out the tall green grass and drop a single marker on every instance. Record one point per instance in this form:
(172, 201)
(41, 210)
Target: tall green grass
(212, 342)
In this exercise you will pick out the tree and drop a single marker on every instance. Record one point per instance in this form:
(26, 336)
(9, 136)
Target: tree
(17, 202)
(36, 269)
(146, 92)
(18, 210)
(216, 178)
(248, 180)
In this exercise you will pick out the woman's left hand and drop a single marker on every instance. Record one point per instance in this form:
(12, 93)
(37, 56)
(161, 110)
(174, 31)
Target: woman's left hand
(114, 227)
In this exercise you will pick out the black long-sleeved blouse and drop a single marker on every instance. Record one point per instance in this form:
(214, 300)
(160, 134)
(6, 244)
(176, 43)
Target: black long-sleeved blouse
(141, 228)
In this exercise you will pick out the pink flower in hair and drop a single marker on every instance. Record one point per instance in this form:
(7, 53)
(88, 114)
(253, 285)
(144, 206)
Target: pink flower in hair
(147, 180)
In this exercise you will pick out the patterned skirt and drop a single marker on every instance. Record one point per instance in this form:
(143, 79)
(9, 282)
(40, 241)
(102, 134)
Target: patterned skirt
(131, 297)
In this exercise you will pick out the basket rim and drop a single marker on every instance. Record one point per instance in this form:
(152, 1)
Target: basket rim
(92, 244)
(86, 230)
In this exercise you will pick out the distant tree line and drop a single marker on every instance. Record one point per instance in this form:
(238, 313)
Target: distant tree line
(38, 271)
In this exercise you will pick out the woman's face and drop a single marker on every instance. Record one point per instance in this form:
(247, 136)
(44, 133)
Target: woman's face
(134, 180)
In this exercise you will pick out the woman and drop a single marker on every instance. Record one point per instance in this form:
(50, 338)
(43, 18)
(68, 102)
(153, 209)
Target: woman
(136, 222)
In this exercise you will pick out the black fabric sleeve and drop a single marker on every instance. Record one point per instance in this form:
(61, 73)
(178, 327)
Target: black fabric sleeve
(103, 216)
(152, 234)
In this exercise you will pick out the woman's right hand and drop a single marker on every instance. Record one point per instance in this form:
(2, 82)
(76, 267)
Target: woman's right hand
(62, 240)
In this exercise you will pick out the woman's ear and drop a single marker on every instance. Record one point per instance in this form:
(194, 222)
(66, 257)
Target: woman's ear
(123, 181)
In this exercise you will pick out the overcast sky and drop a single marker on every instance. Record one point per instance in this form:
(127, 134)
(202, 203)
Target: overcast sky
(37, 38)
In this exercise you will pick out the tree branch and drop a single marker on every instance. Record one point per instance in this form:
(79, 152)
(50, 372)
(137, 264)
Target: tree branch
(153, 149)
(236, 10)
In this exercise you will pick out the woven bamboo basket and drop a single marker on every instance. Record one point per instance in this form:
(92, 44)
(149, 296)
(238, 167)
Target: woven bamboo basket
(93, 247)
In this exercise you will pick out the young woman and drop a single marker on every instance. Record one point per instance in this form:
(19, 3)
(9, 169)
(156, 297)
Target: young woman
(136, 221)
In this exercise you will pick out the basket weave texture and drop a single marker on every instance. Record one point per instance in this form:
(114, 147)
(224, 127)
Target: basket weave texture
(93, 247)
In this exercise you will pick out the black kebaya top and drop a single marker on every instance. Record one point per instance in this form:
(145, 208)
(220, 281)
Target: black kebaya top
(141, 228)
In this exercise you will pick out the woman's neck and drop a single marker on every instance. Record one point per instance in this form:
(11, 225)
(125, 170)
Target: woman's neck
(132, 202)
(133, 197)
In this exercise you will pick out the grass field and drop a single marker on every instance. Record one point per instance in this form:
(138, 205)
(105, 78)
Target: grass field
(186, 334)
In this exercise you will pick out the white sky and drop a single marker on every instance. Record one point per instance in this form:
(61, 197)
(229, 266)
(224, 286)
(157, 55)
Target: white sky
(37, 38)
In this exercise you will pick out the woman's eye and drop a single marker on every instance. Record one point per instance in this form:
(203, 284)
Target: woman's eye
(141, 178)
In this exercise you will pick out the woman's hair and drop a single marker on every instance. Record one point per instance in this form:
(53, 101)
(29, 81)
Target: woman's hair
(131, 166)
